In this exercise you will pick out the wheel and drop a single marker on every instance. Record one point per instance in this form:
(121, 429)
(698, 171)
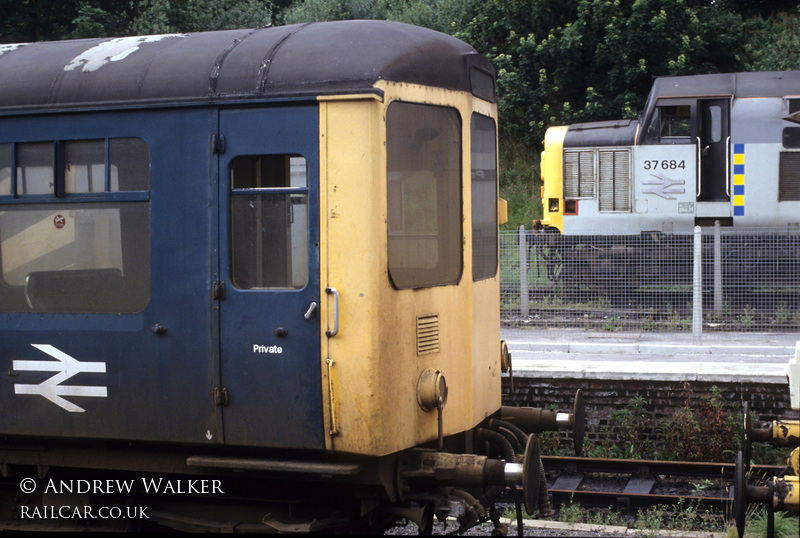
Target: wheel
(579, 428)
(739, 494)
(530, 474)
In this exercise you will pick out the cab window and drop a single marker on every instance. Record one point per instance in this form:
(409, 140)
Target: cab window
(670, 124)
(423, 145)
(484, 197)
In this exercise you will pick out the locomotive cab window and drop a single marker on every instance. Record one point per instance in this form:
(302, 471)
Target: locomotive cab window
(63, 250)
(269, 222)
(424, 195)
(670, 124)
(791, 139)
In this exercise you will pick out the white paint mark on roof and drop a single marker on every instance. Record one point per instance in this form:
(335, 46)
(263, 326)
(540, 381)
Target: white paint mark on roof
(112, 51)
(9, 48)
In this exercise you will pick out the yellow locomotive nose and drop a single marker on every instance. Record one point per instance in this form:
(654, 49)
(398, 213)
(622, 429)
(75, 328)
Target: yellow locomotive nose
(552, 184)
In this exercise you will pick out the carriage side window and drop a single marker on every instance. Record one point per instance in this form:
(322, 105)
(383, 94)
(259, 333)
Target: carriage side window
(484, 197)
(269, 222)
(36, 168)
(5, 169)
(128, 164)
(670, 124)
(66, 245)
(423, 152)
(85, 167)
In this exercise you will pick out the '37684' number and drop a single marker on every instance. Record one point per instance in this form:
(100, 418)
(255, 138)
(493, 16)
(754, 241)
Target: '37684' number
(664, 165)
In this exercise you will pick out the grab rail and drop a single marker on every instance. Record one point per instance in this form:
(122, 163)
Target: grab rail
(335, 331)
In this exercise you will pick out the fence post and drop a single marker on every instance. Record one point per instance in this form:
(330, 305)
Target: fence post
(717, 268)
(697, 287)
(523, 272)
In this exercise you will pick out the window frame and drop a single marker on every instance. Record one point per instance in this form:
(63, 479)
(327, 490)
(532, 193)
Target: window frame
(448, 242)
(130, 204)
(650, 138)
(289, 191)
(480, 270)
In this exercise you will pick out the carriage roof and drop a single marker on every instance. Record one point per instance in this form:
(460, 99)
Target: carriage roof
(284, 61)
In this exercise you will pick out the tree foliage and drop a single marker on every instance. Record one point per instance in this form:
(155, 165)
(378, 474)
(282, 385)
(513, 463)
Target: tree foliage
(44, 20)
(443, 15)
(581, 60)
(773, 44)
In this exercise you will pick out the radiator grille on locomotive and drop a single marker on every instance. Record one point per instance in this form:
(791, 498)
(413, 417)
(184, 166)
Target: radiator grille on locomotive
(789, 182)
(612, 175)
(579, 174)
(615, 180)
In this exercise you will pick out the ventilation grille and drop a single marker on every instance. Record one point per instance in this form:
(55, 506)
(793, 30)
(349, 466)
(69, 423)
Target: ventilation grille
(427, 334)
(789, 184)
(579, 174)
(615, 180)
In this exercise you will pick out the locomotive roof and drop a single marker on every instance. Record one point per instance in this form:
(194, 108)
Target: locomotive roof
(283, 61)
(755, 84)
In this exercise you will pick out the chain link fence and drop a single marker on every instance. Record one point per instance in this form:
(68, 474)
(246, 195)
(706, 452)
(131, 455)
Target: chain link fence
(717, 279)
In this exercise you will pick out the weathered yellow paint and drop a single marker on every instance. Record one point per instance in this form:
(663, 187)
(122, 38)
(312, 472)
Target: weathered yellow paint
(375, 365)
(551, 166)
(793, 461)
(787, 493)
(785, 432)
(502, 211)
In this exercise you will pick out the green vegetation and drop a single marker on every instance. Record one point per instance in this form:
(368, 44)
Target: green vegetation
(518, 168)
(652, 521)
(702, 430)
(757, 522)
(706, 427)
(686, 516)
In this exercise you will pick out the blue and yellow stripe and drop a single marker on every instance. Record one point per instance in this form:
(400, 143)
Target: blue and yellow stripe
(738, 180)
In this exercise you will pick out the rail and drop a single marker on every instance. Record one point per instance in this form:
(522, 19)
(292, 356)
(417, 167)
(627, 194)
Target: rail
(604, 482)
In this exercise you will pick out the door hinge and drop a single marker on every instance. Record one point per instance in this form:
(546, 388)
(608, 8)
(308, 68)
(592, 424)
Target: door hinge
(218, 144)
(218, 290)
(220, 396)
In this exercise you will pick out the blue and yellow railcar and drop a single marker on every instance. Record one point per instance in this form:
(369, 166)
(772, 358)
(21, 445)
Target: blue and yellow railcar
(265, 260)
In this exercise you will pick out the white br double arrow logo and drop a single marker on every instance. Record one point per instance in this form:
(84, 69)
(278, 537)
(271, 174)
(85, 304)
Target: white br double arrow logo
(65, 367)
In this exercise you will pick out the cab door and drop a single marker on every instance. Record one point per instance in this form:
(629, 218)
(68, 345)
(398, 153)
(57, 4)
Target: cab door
(268, 288)
(714, 140)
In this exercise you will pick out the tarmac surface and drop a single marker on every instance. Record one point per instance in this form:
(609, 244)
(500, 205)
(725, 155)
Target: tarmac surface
(714, 356)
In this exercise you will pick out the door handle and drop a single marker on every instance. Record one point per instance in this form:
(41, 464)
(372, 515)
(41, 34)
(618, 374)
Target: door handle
(335, 331)
(699, 168)
(728, 167)
(311, 313)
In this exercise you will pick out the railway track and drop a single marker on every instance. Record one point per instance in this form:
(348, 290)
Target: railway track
(625, 484)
